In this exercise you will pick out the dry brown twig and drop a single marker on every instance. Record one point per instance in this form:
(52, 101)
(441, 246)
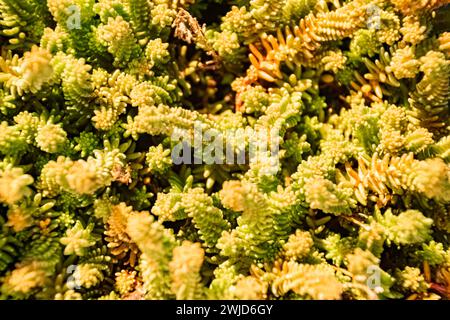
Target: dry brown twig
(188, 29)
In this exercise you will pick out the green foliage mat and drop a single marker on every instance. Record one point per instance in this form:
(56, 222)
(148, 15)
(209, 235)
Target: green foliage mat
(113, 114)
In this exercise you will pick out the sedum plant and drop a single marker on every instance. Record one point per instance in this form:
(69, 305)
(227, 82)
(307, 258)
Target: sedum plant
(194, 149)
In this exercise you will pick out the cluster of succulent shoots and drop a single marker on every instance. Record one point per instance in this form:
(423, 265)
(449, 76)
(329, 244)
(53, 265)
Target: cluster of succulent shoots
(94, 205)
